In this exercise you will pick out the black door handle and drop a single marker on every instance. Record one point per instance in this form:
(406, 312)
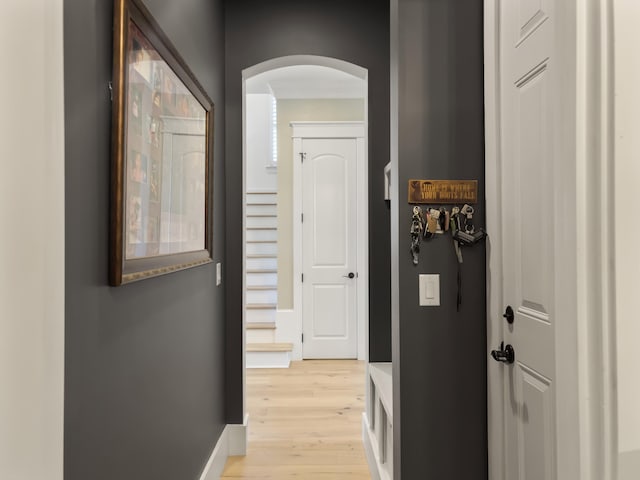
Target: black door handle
(351, 275)
(505, 354)
(508, 314)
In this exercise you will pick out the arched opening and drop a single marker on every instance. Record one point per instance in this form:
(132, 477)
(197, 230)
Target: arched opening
(280, 96)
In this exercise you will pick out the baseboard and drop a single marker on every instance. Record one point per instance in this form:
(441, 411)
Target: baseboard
(629, 465)
(289, 329)
(375, 469)
(232, 442)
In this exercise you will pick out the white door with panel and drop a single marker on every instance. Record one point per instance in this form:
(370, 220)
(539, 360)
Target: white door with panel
(531, 152)
(329, 236)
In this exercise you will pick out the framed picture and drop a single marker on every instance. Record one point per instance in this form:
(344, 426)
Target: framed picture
(162, 154)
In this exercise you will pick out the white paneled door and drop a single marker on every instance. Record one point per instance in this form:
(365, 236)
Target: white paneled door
(530, 86)
(329, 248)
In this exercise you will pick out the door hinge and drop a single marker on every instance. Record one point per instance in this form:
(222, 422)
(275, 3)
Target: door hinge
(110, 87)
(302, 217)
(303, 338)
(302, 275)
(302, 156)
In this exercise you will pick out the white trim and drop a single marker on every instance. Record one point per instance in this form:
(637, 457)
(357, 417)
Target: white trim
(289, 331)
(293, 60)
(595, 253)
(369, 441)
(232, 442)
(355, 130)
(238, 437)
(32, 253)
(495, 401)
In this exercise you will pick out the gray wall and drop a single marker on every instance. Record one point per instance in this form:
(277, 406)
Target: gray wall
(356, 31)
(439, 354)
(144, 362)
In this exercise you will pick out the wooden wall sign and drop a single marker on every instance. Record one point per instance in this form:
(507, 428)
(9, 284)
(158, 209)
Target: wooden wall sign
(443, 191)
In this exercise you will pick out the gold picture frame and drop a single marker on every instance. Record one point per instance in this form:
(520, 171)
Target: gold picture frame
(162, 154)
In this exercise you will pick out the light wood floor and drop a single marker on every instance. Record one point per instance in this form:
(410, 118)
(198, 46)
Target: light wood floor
(304, 423)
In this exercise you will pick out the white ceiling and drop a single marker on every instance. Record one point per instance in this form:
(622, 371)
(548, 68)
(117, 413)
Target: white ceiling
(307, 81)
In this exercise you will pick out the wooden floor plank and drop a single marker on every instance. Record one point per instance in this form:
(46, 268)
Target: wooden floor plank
(304, 423)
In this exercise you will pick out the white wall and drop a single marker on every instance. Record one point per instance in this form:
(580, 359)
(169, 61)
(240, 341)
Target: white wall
(259, 146)
(31, 240)
(290, 110)
(627, 178)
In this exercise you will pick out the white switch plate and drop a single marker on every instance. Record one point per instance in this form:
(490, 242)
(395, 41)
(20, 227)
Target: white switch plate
(218, 274)
(429, 290)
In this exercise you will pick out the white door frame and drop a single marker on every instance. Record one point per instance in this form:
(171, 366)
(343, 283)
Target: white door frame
(586, 342)
(32, 291)
(356, 130)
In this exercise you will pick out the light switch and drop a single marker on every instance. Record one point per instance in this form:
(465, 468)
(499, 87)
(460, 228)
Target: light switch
(429, 286)
(218, 273)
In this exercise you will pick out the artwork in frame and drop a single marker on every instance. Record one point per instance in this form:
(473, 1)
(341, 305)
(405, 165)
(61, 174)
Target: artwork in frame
(162, 154)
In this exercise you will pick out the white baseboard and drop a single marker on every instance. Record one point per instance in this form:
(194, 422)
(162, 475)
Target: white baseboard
(629, 465)
(289, 330)
(368, 439)
(232, 442)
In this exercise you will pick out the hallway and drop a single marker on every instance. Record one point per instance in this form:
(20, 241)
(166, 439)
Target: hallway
(304, 422)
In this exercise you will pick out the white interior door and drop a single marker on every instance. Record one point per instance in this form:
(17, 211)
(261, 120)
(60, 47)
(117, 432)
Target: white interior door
(329, 248)
(530, 152)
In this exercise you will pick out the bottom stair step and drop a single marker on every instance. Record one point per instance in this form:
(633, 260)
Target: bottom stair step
(269, 347)
(268, 355)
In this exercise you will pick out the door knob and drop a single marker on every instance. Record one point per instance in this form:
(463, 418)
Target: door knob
(508, 314)
(505, 354)
(351, 275)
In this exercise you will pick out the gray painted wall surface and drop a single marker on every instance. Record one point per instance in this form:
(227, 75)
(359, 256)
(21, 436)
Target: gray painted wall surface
(144, 362)
(439, 354)
(356, 31)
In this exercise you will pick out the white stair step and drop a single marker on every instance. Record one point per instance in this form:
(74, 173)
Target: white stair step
(270, 248)
(261, 336)
(254, 279)
(260, 326)
(262, 209)
(269, 347)
(262, 215)
(262, 234)
(262, 287)
(261, 296)
(263, 221)
(261, 306)
(257, 316)
(268, 355)
(269, 263)
(262, 197)
(268, 359)
(262, 270)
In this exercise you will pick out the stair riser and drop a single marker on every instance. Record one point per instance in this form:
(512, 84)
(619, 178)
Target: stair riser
(262, 296)
(260, 316)
(262, 210)
(271, 235)
(268, 359)
(271, 222)
(262, 197)
(260, 336)
(262, 263)
(262, 278)
(262, 248)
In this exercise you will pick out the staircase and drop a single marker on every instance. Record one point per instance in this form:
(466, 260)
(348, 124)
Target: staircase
(262, 283)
